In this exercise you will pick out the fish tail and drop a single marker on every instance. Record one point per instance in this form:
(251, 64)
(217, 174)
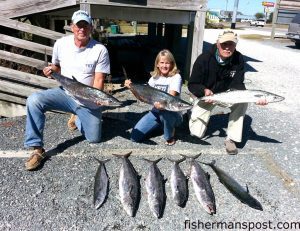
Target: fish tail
(101, 161)
(123, 155)
(177, 161)
(212, 163)
(153, 161)
(191, 157)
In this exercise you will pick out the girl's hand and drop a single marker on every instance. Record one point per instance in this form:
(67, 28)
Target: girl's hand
(127, 83)
(158, 106)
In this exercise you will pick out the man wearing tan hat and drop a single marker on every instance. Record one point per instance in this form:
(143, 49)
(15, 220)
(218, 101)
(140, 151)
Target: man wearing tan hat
(219, 70)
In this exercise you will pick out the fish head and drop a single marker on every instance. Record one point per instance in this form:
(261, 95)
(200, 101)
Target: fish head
(111, 102)
(274, 98)
(210, 209)
(179, 106)
(156, 210)
(253, 203)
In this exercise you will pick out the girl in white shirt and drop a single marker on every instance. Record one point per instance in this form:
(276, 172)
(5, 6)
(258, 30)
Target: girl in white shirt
(165, 77)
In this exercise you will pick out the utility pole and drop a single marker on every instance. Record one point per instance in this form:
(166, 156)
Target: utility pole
(235, 8)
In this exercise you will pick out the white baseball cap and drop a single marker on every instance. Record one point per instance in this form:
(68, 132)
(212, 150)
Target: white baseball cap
(81, 15)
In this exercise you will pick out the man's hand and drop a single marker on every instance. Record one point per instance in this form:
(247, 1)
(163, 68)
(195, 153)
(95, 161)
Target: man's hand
(100, 104)
(208, 92)
(262, 102)
(47, 71)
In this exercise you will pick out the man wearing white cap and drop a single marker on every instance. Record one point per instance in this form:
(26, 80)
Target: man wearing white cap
(219, 70)
(87, 60)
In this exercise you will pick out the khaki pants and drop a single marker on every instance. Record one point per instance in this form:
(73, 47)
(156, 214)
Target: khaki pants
(200, 116)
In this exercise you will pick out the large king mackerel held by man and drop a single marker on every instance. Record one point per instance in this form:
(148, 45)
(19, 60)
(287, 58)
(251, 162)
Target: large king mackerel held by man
(242, 96)
(84, 92)
(100, 184)
(129, 185)
(150, 95)
(202, 186)
(235, 188)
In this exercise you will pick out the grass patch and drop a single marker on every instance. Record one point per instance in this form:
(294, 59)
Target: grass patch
(254, 36)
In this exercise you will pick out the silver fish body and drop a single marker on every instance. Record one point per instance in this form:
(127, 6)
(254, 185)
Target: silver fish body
(100, 184)
(83, 92)
(150, 95)
(235, 188)
(243, 96)
(178, 182)
(202, 186)
(155, 189)
(129, 186)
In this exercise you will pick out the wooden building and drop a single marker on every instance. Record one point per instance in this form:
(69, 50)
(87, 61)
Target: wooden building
(16, 85)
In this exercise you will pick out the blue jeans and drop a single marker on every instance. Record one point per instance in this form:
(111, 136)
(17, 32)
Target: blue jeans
(88, 121)
(155, 119)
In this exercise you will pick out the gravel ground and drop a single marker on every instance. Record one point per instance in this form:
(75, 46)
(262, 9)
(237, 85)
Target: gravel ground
(58, 196)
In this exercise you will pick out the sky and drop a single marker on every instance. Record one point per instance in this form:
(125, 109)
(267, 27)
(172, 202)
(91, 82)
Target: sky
(247, 7)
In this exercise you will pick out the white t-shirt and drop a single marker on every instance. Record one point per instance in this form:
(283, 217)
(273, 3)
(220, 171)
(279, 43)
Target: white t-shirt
(167, 84)
(81, 63)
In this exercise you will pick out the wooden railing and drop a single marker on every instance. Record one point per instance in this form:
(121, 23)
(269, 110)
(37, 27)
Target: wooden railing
(16, 86)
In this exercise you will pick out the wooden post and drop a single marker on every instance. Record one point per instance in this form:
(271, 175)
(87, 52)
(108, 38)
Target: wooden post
(86, 7)
(198, 34)
(189, 49)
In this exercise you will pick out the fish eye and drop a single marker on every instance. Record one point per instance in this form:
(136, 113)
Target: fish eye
(259, 95)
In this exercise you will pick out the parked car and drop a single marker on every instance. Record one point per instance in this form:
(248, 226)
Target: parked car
(294, 30)
(246, 20)
(258, 22)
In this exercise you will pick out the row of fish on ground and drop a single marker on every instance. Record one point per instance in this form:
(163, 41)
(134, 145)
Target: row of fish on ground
(129, 186)
(150, 95)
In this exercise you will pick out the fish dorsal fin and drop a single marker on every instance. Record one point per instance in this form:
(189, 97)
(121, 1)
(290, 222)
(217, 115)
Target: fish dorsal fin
(247, 189)
(74, 79)
(208, 175)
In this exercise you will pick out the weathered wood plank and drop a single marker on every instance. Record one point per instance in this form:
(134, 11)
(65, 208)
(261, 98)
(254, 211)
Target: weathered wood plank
(14, 24)
(148, 15)
(11, 98)
(25, 44)
(198, 35)
(11, 109)
(186, 5)
(39, 64)
(17, 89)
(38, 81)
(17, 8)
